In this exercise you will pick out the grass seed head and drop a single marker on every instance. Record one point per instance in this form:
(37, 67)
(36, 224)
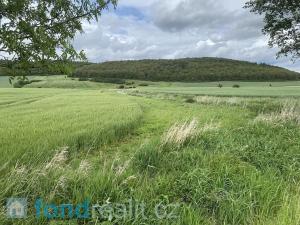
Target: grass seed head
(59, 159)
(179, 134)
(289, 112)
(84, 167)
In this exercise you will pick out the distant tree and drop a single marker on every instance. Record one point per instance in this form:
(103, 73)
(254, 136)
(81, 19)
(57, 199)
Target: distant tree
(282, 23)
(41, 31)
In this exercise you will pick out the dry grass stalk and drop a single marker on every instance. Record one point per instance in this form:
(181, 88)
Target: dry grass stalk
(218, 100)
(179, 134)
(84, 167)
(128, 179)
(59, 159)
(289, 112)
(122, 168)
(210, 127)
(19, 170)
(60, 185)
(208, 100)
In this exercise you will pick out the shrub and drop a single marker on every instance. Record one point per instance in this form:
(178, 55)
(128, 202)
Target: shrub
(143, 85)
(130, 83)
(220, 85)
(17, 85)
(108, 80)
(236, 86)
(121, 86)
(190, 100)
(21, 83)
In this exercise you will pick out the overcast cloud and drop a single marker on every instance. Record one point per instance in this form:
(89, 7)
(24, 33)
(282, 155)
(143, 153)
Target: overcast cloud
(177, 29)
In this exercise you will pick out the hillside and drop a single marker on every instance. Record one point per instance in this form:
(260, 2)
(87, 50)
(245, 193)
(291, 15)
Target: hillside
(185, 70)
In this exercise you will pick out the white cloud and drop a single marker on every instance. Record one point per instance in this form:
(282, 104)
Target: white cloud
(179, 28)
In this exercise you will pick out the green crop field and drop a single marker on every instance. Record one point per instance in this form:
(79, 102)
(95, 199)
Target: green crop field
(245, 89)
(283, 88)
(219, 160)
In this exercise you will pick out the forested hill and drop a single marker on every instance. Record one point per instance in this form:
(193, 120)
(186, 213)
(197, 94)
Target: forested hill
(186, 70)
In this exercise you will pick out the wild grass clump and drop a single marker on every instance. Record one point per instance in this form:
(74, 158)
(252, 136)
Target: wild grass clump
(59, 159)
(180, 133)
(232, 101)
(289, 112)
(148, 157)
(85, 167)
(209, 127)
(230, 191)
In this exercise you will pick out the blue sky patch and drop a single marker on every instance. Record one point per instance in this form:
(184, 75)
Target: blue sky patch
(130, 11)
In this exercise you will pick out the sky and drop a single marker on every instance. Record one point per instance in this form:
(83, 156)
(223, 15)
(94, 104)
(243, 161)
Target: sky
(170, 29)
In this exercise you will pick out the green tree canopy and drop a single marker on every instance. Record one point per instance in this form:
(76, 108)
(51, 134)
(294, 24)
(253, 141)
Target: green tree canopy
(282, 23)
(40, 31)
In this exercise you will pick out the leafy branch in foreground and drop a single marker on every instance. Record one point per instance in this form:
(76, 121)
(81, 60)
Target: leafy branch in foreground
(41, 31)
(282, 24)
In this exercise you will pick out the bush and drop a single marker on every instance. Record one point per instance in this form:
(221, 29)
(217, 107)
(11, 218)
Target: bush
(143, 85)
(236, 86)
(220, 85)
(21, 83)
(190, 100)
(108, 80)
(17, 85)
(130, 83)
(121, 86)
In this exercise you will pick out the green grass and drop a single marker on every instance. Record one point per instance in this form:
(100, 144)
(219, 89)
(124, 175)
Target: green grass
(238, 164)
(61, 81)
(49, 119)
(281, 89)
(57, 81)
(289, 88)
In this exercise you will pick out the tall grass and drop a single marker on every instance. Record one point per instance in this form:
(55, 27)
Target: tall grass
(220, 167)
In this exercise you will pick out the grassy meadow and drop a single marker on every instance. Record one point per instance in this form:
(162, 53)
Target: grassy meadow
(222, 160)
(254, 89)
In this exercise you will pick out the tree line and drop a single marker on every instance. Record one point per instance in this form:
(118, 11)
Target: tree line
(185, 70)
